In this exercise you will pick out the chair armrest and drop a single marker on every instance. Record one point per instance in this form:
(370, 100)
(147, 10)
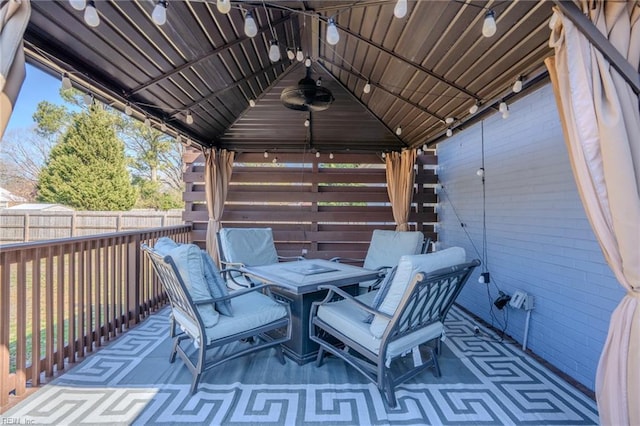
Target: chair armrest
(227, 265)
(228, 274)
(333, 290)
(346, 260)
(289, 258)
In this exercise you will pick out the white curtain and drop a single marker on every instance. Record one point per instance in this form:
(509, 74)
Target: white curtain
(601, 121)
(217, 175)
(14, 17)
(400, 179)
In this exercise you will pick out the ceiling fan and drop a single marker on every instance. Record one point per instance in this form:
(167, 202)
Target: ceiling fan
(308, 95)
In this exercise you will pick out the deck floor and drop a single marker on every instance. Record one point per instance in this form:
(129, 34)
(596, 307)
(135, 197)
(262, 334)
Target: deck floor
(131, 382)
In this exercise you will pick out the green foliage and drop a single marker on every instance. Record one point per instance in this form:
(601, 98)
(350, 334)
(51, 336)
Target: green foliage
(87, 169)
(51, 119)
(153, 196)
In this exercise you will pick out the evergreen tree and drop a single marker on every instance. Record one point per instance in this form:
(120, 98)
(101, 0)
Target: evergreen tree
(87, 170)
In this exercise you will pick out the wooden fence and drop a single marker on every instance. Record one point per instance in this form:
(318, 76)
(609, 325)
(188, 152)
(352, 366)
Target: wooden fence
(322, 206)
(62, 299)
(17, 226)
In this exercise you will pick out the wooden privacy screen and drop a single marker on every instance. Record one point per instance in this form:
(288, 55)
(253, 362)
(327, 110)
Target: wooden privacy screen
(328, 207)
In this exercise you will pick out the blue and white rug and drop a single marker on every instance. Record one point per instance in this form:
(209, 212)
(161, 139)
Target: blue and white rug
(132, 382)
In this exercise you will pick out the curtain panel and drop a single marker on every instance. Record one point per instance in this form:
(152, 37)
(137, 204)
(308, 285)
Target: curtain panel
(14, 17)
(217, 175)
(600, 117)
(400, 180)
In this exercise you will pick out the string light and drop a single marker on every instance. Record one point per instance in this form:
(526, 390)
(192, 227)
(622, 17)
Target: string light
(517, 86)
(91, 14)
(78, 4)
(502, 107)
(307, 62)
(331, 155)
(87, 98)
(489, 26)
(449, 120)
(189, 118)
(224, 6)
(66, 82)
(250, 27)
(474, 108)
(400, 11)
(163, 126)
(159, 14)
(449, 132)
(147, 123)
(398, 130)
(290, 54)
(299, 55)
(128, 110)
(317, 154)
(274, 51)
(252, 103)
(367, 88)
(307, 123)
(333, 37)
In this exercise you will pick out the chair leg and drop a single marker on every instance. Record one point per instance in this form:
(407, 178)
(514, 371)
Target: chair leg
(194, 383)
(388, 392)
(320, 357)
(434, 359)
(280, 354)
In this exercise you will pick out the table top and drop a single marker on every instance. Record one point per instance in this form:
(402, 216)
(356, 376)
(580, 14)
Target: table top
(304, 276)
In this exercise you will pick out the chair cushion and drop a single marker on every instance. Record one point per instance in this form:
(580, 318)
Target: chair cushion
(407, 268)
(382, 292)
(387, 247)
(250, 310)
(188, 260)
(217, 286)
(164, 245)
(249, 246)
(347, 318)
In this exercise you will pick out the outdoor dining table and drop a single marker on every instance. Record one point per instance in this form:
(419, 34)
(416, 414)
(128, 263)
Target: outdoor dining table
(297, 283)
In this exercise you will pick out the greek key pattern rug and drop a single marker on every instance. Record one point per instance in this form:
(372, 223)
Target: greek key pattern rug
(132, 382)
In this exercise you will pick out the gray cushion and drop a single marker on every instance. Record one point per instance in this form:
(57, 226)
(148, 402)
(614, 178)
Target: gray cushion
(408, 267)
(387, 247)
(382, 292)
(188, 260)
(348, 318)
(250, 310)
(249, 246)
(216, 284)
(164, 245)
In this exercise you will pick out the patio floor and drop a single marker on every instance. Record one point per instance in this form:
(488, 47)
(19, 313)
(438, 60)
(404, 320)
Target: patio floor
(131, 382)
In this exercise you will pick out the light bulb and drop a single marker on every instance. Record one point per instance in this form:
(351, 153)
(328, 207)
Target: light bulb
(517, 86)
(188, 142)
(274, 51)
(331, 155)
(128, 110)
(319, 82)
(333, 37)
(505, 114)
(87, 98)
(400, 11)
(307, 62)
(489, 25)
(159, 14)
(147, 122)
(424, 147)
(179, 138)
(250, 27)
(503, 107)
(189, 118)
(252, 103)
(224, 6)
(291, 55)
(66, 82)
(275, 160)
(367, 88)
(307, 123)
(398, 130)
(449, 120)
(384, 154)
(474, 108)
(317, 154)
(419, 151)
(299, 55)
(163, 126)
(449, 133)
(78, 4)
(91, 15)
(480, 172)
(266, 154)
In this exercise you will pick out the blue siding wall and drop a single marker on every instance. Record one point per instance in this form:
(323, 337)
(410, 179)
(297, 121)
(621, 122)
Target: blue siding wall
(538, 238)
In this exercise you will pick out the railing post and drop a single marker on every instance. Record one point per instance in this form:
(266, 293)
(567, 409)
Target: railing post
(133, 280)
(26, 231)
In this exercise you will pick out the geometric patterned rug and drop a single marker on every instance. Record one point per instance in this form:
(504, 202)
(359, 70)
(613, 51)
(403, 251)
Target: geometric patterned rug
(131, 381)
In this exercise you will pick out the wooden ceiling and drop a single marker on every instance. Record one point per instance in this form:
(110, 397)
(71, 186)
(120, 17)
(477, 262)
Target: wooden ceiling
(430, 65)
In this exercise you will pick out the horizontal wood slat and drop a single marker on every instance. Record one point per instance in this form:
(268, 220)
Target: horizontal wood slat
(328, 207)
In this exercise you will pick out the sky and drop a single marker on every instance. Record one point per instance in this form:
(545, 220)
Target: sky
(38, 86)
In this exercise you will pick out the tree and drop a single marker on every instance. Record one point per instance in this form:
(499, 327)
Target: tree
(156, 166)
(88, 168)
